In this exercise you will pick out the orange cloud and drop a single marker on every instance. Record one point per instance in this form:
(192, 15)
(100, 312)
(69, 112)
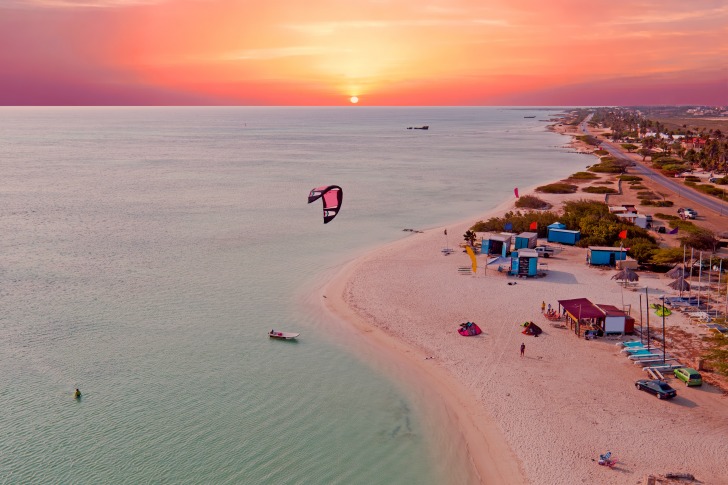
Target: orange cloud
(386, 52)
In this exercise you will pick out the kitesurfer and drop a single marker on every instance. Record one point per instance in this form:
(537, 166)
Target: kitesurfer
(77, 394)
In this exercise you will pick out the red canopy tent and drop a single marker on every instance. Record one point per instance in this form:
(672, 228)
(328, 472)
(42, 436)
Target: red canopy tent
(580, 309)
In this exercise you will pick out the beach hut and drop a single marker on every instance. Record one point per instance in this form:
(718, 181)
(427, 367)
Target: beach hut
(526, 240)
(581, 313)
(524, 262)
(605, 255)
(615, 320)
(496, 245)
(557, 232)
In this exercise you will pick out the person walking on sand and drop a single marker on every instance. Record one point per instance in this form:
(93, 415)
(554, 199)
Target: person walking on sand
(543, 307)
(523, 348)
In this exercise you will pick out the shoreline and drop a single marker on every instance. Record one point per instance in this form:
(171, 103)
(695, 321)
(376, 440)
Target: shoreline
(534, 423)
(475, 433)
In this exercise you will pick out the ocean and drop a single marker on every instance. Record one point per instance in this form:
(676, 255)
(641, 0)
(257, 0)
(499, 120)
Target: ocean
(146, 252)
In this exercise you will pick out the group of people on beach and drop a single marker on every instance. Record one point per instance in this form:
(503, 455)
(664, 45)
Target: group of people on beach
(548, 311)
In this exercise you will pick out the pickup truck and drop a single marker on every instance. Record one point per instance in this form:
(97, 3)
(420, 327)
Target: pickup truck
(546, 251)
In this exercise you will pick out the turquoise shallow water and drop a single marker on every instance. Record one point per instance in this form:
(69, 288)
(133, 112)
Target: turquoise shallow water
(145, 252)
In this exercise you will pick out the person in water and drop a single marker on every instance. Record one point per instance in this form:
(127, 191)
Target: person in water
(77, 394)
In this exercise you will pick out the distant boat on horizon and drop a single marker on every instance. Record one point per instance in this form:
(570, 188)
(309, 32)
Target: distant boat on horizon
(423, 127)
(529, 116)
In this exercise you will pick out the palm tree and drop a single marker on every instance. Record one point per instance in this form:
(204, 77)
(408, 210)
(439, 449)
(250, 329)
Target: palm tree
(469, 237)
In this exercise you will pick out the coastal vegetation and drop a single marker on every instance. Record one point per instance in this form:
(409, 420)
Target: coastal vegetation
(532, 202)
(609, 165)
(717, 354)
(599, 190)
(557, 188)
(521, 222)
(589, 140)
(677, 139)
(469, 237)
(630, 178)
(582, 176)
(597, 225)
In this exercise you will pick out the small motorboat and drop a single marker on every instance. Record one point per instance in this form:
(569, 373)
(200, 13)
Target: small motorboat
(283, 335)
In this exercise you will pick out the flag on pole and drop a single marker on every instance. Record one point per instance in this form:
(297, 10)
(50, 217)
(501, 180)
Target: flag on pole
(533, 226)
(515, 191)
(674, 231)
(623, 234)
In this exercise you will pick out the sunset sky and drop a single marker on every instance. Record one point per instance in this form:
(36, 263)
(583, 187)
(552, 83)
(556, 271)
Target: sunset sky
(386, 52)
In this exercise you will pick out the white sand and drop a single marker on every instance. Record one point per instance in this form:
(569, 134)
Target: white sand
(544, 418)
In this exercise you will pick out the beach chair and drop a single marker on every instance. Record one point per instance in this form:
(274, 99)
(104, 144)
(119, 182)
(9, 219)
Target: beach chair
(644, 356)
(632, 343)
(635, 350)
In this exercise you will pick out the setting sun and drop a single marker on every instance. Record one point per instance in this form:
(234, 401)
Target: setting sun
(397, 53)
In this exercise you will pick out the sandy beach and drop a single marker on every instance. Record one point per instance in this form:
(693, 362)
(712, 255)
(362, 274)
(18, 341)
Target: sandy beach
(541, 418)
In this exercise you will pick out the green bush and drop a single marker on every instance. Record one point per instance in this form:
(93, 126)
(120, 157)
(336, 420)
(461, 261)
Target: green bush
(557, 188)
(604, 182)
(606, 167)
(601, 152)
(597, 225)
(666, 217)
(583, 176)
(532, 202)
(599, 190)
(640, 249)
(722, 181)
(684, 226)
(657, 203)
(647, 195)
(638, 187)
(589, 140)
(521, 222)
(667, 256)
(692, 178)
(709, 189)
(630, 178)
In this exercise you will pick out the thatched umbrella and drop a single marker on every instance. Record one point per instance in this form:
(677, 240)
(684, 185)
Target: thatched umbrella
(680, 284)
(677, 272)
(627, 274)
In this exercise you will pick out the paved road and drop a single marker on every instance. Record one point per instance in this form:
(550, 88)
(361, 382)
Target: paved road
(705, 201)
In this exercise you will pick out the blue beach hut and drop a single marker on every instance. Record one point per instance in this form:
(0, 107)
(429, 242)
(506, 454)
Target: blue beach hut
(605, 255)
(557, 232)
(496, 245)
(524, 262)
(526, 240)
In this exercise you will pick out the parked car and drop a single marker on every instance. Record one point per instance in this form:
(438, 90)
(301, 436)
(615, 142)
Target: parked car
(689, 376)
(545, 251)
(659, 388)
(687, 213)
